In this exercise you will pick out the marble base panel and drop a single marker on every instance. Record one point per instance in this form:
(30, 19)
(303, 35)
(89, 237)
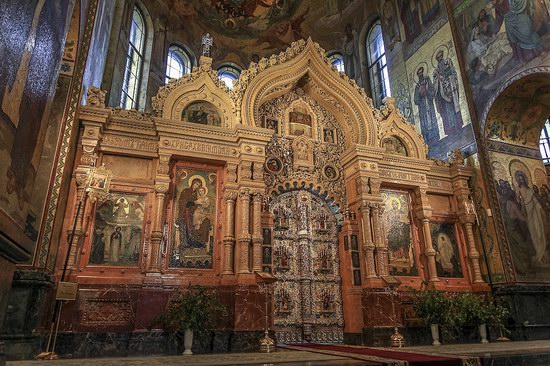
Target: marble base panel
(112, 344)
(529, 316)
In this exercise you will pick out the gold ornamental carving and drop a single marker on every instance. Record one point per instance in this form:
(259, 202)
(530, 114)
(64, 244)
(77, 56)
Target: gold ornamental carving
(95, 97)
(198, 147)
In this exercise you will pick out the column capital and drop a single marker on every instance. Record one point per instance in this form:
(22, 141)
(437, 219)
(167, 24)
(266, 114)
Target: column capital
(230, 195)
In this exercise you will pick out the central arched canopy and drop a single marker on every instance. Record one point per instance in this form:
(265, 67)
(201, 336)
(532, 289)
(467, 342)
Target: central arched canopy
(305, 65)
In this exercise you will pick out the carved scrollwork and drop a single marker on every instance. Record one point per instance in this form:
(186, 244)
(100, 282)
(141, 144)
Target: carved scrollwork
(95, 97)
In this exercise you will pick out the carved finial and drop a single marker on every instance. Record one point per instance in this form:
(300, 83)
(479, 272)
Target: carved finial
(95, 97)
(456, 157)
(207, 42)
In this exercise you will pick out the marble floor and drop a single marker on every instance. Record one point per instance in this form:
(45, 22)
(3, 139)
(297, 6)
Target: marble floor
(504, 351)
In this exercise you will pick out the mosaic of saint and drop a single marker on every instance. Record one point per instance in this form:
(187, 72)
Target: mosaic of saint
(398, 232)
(118, 231)
(300, 123)
(524, 203)
(447, 257)
(500, 36)
(193, 219)
(203, 113)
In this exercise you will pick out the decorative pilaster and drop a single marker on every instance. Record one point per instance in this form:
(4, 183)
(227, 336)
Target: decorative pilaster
(424, 214)
(244, 237)
(161, 187)
(229, 236)
(81, 181)
(380, 240)
(257, 232)
(368, 245)
(467, 218)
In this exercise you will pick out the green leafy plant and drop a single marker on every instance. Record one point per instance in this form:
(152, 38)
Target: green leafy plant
(196, 308)
(472, 309)
(432, 306)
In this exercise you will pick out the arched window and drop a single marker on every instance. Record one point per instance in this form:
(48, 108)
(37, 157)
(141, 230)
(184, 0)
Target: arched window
(227, 73)
(337, 60)
(134, 62)
(545, 143)
(377, 66)
(178, 63)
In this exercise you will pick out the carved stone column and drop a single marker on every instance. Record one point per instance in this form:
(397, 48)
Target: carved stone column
(81, 180)
(229, 236)
(468, 219)
(244, 237)
(257, 232)
(368, 244)
(380, 241)
(424, 214)
(161, 187)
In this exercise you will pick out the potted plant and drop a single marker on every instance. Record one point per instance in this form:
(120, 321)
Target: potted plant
(195, 309)
(475, 310)
(433, 308)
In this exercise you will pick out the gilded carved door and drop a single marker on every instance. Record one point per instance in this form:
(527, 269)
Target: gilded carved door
(307, 294)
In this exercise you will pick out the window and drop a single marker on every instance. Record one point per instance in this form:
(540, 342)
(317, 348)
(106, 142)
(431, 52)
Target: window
(228, 73)
(337, 60)
(377, 66)
(178, 63)
(134, 62)
(545, 143)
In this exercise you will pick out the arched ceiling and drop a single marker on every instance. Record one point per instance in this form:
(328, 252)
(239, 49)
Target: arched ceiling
(520, 111)
(246, 29)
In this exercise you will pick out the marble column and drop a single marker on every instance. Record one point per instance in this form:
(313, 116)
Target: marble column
(244, 236)
(229, 236)
(468, 218)
(81, 182)
(379, 239)
(161, 187)
(257, 237)
(368, 245)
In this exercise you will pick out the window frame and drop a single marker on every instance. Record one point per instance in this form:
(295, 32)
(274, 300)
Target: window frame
(377, 66)
(337, 60)
(229, 69)
(182, 57)
(134, 72)
(544, 142)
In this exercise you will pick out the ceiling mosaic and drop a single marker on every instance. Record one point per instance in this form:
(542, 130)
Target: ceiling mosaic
(520, 112)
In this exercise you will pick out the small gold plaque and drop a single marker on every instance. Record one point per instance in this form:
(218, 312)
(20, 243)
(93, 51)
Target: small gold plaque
(66, 291)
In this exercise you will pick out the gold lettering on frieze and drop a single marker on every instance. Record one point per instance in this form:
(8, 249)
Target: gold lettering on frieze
(202, 147)
(413, 177)
(432, 183)
(129, 143)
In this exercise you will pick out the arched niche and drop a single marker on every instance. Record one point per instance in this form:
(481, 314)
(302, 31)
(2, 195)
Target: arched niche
(304, 65)
(517, 176)
(202, 85)
(396, 129)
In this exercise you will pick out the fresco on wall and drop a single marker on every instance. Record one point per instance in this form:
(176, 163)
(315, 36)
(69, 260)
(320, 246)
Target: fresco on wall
(399, 233)
(499, 38)
(519, 113)
(440, 110)
(118, 230)
(390, 24)
(28, 77)
(524, 198)
(244, 31)
(447, 257)
(193, 218)
(203, 113)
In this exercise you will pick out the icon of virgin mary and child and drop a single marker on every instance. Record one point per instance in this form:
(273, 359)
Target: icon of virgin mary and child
(194, 220)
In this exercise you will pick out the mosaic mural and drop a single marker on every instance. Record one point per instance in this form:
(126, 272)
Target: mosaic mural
(499, 38)
(398, 231)
(28, 77)
(524, 196)
(203, 113)
(439, 106)
(118, 231)
(194, 209)
(447, 258)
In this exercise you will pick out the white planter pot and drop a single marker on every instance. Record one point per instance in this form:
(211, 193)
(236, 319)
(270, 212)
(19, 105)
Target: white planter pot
(435, 334)
(188, 342)
(483, 333)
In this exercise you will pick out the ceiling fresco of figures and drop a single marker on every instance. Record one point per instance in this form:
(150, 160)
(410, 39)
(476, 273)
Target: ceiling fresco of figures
(520, 112)
(245, 30)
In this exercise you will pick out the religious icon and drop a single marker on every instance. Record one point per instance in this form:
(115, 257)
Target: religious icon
(203, 113)
(193, 222)
(330, 172)
(273, 165)
(117, 231)
(271, 123)
(300, 123)
(329, 137)
(447, 256)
